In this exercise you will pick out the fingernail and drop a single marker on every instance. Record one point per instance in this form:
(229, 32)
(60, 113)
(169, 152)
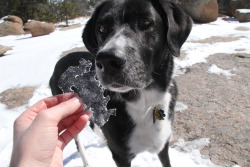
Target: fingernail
(84, 106)
(89, 113)
(75, 100)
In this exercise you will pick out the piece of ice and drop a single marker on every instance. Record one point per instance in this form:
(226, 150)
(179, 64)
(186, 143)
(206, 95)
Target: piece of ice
(81, 80)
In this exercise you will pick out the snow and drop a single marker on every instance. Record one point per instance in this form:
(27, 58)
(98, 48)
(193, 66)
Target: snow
(34, 58)
(243, 10)
(180, 106)
(2, 19)
(31, 63)
(193, 148)
(214, 69)
(198, 52)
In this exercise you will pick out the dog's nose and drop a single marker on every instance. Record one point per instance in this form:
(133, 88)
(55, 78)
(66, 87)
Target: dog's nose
(108, 62)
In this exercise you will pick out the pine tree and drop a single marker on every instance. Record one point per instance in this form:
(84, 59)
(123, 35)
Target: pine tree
(47, 10)
(67, 10)
(3, 7)
(9, 7)
(26, 9)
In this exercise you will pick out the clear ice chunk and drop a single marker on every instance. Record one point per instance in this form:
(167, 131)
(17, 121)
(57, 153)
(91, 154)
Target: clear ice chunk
(81, 80)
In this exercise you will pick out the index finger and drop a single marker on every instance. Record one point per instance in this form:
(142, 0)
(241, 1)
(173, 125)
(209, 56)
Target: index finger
(44, 104)
(62, 110)
(51, 102)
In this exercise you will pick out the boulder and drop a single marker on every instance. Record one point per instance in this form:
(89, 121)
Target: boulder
(4, 49)
(209, 12)
(235, 4)
(225, 7)
(243, 15)
(12, 25)
(14, 19)
(201, 11)
(228, 7)
(37, 28)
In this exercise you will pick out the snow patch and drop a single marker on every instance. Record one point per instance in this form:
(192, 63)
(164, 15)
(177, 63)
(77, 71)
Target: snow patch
(198, 52)
(214, 69)
(188, 146)
(2, 19)
(7, 118)
(32, 60)
(243, 10)
(180, 106)
(40, 93)
(193, 148)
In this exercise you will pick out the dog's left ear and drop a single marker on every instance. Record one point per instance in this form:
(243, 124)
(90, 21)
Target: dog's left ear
(179, 24)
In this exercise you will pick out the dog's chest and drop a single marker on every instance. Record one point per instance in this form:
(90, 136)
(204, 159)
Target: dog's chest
(149, 135)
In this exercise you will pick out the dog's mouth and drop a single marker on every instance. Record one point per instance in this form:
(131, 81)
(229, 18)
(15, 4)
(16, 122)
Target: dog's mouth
(114, 83)
(119, 88)
(123, 81)
(121, 84)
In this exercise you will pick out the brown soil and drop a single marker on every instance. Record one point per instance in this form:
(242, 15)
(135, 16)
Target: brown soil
(242, 28)
(215, 39)
(16, 97)
(218, 108)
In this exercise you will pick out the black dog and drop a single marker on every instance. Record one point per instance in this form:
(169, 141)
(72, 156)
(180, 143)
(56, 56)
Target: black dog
(133, 44)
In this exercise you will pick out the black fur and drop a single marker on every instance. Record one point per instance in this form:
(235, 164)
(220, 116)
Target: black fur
(156, 30)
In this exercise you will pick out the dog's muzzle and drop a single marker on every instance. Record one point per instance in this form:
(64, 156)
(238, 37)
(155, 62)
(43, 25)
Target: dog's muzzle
(109, 64)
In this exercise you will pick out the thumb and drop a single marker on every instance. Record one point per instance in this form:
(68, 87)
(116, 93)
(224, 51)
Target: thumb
(62, 110)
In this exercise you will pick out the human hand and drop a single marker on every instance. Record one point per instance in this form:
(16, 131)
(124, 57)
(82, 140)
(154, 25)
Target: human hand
(43, 130)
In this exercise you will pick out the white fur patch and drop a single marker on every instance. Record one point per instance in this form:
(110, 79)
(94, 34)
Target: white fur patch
(119, 42)
(149, 136)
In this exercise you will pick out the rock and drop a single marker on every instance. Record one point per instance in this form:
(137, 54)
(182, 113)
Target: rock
(4, 49)
(235, 4)
(209, 12)
(14, 19)
(38, 28)
(228, 7)
(12, 25)
(243, 15)
(202, 11)
(225, 7)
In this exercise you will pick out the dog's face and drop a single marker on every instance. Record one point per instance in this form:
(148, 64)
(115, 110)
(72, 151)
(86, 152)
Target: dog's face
(128, 39)
(131, 41)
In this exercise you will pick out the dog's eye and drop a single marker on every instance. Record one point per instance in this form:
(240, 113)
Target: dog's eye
(144, 24)
(103, 29)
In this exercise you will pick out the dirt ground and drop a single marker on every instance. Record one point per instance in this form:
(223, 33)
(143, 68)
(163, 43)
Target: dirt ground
(16, 97)
(70, 27)
(218, 109)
